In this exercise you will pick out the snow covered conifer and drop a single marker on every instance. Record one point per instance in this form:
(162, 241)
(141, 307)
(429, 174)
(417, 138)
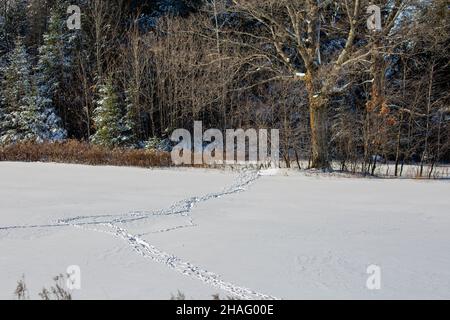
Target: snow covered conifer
(49, 75)
(19, 116)
(25, 114)
(108, 117)
(50, 56)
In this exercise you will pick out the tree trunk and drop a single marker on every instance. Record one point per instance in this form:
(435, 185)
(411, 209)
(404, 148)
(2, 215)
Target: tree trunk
(319, 132)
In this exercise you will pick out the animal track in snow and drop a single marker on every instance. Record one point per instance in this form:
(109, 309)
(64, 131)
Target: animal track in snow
(110, 225)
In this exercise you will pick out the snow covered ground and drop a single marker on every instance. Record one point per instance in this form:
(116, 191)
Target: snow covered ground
(145, 234)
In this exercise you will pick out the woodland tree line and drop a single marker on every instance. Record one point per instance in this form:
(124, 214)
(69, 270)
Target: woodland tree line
(137, 70)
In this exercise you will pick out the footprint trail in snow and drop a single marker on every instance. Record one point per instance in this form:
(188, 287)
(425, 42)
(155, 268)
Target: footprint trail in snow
(115, 225)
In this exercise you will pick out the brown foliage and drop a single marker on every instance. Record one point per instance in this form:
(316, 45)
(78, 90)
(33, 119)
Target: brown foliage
(76, 152)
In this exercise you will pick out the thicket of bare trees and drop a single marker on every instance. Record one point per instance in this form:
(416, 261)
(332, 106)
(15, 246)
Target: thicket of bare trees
(336, 90)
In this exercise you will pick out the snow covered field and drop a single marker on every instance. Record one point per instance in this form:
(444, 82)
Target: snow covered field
(145, 234)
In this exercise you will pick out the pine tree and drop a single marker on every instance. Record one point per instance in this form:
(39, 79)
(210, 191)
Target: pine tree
(51, 71)
(26, 115)
(19, 116)
(108, 118)
(50, 56)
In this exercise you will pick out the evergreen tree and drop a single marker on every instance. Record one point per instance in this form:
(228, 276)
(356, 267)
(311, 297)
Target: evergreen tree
(25, 113)
(52, 71)
(19, 116)
(108, 118)
(50, 56)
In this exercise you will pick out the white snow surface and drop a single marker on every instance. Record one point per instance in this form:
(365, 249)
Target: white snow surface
(146, 234)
